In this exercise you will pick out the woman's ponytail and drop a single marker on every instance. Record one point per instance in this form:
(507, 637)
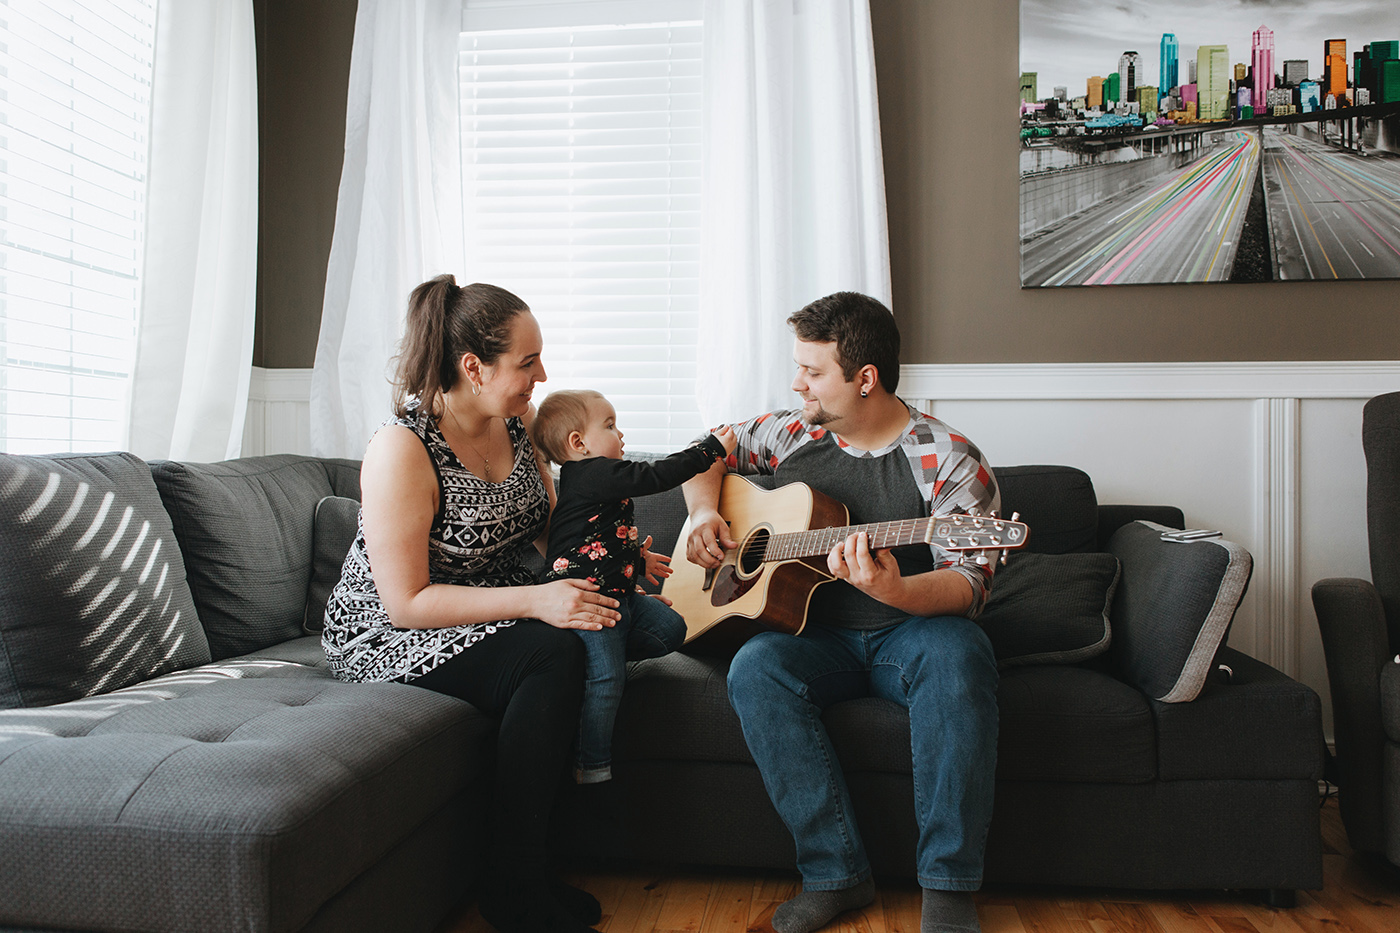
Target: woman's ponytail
(444, 323)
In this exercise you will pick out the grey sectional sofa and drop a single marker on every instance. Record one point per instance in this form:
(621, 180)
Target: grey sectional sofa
(244, 788)
(175, 756)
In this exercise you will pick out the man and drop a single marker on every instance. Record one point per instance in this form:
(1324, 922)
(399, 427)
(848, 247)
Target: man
(896, 626)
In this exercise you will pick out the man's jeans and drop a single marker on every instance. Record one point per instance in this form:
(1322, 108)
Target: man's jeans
(942, 671)
(648, 629)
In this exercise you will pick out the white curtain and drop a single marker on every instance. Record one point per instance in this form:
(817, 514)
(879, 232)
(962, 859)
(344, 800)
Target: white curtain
(398, 214)
(792, 187)
(189, 385)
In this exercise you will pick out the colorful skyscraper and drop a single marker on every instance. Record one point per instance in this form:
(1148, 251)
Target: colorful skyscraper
(1095, 92)
(1261, 59)
(1213, 82)
(1112, 89)
(1166, 74)
(1334, 68)
(1028, 87)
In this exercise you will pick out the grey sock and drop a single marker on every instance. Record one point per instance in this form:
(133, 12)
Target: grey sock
(812, 910)
(949, 912)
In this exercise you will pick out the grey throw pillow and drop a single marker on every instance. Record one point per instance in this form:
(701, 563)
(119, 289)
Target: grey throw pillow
(1174, 607)
(337, 523)
(92, 584)
(1050, 608)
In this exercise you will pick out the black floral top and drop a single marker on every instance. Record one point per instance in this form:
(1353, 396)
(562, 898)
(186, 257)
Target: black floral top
(593, 532)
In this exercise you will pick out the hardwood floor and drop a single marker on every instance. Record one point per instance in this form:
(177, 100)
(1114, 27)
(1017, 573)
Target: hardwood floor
(1360, 895)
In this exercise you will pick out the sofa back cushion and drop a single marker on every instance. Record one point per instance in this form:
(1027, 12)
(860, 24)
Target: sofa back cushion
(337, 524)
(93, 594)
(1173, 607)
(246, 528)
(1057, 503)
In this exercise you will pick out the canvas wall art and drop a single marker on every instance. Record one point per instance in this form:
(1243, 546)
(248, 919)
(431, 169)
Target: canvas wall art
(1209, 141)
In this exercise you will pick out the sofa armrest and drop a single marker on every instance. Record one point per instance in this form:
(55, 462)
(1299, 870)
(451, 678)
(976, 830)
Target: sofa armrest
(1356, 646)
(1250, 722)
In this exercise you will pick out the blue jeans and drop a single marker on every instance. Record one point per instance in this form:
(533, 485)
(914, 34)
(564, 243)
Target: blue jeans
(942, 671)
(648, 629)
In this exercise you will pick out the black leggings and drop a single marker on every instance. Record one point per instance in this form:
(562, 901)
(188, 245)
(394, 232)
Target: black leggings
(529, 677)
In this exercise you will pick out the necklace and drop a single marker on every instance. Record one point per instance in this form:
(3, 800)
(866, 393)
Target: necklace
(485, 461)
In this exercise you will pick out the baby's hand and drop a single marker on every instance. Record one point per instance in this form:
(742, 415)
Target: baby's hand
(727, 438)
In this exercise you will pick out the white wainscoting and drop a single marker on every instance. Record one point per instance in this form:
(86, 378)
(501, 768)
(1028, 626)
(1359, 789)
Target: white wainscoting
(1269, 453)
(279, 412)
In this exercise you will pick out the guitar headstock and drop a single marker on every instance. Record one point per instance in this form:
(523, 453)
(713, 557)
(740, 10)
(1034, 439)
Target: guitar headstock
(978, 533)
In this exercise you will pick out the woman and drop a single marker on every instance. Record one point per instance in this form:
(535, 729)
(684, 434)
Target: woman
(434, 591)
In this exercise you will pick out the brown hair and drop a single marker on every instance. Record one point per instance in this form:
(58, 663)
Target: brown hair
(445, 322)
(862, 328)
(560, 414)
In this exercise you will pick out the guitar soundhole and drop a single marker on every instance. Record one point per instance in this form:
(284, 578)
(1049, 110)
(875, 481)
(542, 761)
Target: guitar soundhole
(750, 556)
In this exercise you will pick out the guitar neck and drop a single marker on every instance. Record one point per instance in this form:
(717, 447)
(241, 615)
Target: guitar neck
(795, 545)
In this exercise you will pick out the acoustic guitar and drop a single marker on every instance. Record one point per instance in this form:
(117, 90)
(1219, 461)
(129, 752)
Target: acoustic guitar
(784, 535)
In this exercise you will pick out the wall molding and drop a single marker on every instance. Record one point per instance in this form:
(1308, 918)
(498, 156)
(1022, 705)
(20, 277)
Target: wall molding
(280, 385)
(1139, 381)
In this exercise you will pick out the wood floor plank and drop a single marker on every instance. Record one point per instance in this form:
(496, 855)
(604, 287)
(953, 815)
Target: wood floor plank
(684, 903)
(728, 907)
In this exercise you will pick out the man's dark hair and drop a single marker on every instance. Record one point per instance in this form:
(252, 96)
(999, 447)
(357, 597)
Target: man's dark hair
(862, 328)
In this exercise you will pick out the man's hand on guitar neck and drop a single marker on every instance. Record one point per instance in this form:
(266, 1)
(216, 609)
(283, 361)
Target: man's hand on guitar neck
(876, 574)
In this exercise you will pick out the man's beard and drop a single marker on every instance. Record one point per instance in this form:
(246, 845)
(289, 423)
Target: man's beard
(822, 416)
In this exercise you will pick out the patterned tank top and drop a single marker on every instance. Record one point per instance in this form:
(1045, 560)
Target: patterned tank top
(478, 538)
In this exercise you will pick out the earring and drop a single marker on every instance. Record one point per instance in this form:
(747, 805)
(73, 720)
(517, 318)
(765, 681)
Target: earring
(864, 393)
(476, 389)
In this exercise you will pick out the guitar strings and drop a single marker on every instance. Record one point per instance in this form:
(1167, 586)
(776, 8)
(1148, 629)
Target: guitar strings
(896, 529)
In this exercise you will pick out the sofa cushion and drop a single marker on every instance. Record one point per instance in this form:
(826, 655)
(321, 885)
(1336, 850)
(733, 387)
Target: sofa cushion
(1390, 699)
(1057, 723)
(245, 528)
(1057, 503)
(336, 524)
(1173, 608)
(92, 585)
(1050, 608)
(240, 795)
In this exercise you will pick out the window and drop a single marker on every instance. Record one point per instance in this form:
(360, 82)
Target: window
(74, 110)
(581, 183)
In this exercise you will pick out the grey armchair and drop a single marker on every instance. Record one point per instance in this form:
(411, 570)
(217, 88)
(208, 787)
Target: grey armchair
(1360, 623)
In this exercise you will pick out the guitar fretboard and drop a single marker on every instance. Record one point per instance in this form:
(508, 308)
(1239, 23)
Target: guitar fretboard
(794, 545)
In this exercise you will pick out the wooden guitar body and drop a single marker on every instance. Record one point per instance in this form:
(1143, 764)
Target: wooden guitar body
(784, 537)
(724, 607)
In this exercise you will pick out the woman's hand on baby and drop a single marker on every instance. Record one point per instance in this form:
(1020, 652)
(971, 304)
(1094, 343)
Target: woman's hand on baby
(728, 438)
(657, 565)
(572, 603)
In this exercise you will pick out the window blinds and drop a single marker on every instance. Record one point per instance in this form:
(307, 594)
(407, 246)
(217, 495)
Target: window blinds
(75, 77)
(581, 182)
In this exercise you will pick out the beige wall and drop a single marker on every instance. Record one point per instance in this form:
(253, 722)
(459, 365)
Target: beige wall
(947, 71)
(948, 92)
(303, 71)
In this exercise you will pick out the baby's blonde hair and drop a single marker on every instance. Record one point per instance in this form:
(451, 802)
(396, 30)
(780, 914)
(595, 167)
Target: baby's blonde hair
(559, 415)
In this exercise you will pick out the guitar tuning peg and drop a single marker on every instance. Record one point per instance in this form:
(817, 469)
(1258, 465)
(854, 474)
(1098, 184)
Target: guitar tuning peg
(1015, 516)
(981, 560)
(1003, 558)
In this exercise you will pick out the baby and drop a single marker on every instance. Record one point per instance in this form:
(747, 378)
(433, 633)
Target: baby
(593, 536)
